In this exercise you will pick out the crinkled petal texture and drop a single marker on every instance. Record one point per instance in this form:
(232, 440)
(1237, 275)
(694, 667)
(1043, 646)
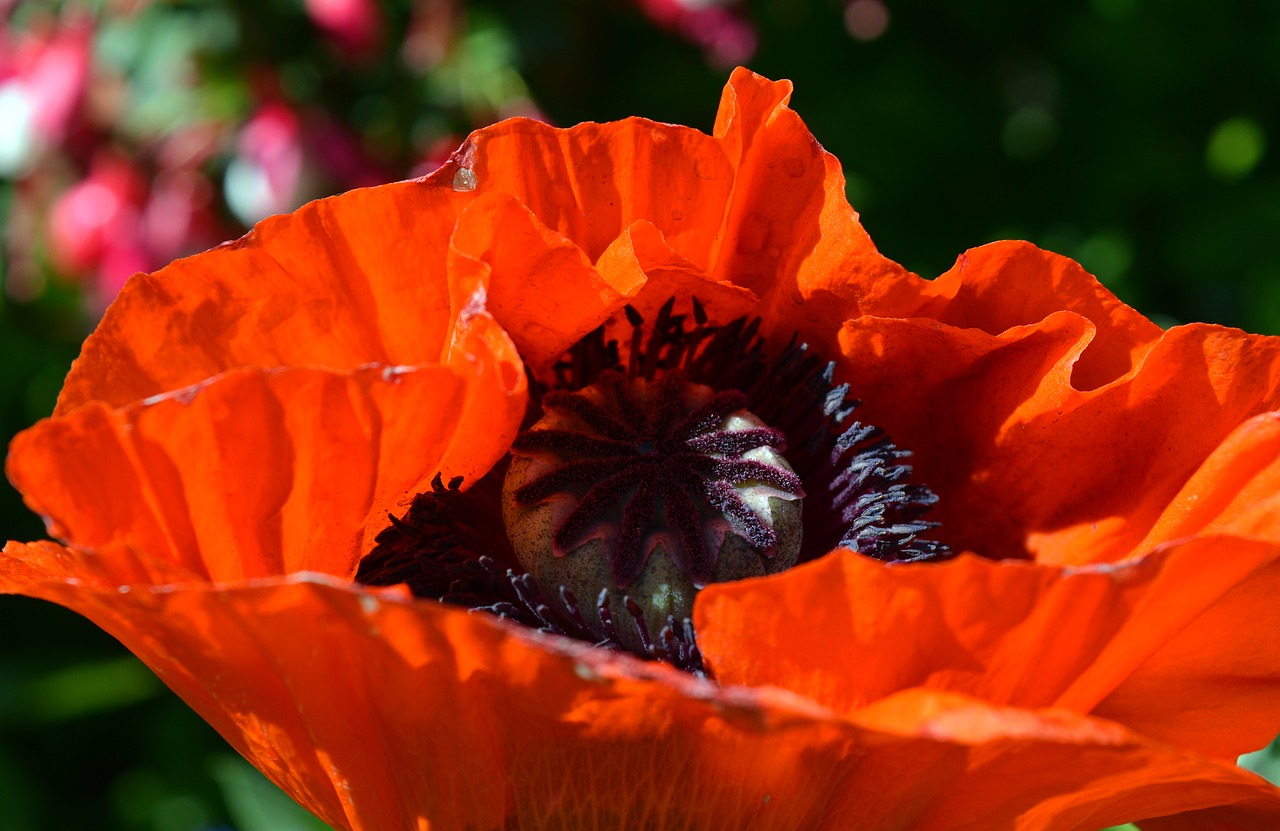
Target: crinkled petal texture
(378, 712)
(1176, 644)
(261, 472)
(1071, 436)
(555, 231)
(234, 433)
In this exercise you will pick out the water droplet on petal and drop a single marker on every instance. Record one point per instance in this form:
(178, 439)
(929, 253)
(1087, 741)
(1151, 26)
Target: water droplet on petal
(793, 168)
(464, 180)
(677, 215)
(705, 169)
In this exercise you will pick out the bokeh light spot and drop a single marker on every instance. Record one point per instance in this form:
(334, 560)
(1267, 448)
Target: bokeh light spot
(17, 139)
(1107, 255)
(1235, 148)
(1029, 133)
(866, 19)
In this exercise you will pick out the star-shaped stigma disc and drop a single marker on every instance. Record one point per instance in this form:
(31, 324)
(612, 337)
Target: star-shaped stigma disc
(650, 490)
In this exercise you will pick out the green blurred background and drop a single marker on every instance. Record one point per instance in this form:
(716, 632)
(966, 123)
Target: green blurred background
(1135, 136)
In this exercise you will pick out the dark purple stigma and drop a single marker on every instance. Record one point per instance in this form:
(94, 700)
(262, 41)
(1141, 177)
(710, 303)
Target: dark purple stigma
(656, 465)
(650, 490)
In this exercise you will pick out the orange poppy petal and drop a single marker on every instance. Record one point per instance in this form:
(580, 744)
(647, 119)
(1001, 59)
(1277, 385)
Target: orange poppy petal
(340, 282)
(790, 234)
(1235, 491)
(649, 272)
(537, 284)
(591, 181)
(1007, 284)
(413, 713)
(1026, 463)
(357, 278)
(1108, 793)
(760, 205)
(261, 472)
(25, 567)
(847, 630)
(956, 398)
(1248, 813)
(1213, 686)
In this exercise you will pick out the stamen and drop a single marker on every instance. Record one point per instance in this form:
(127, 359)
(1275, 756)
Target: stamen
(435, 549)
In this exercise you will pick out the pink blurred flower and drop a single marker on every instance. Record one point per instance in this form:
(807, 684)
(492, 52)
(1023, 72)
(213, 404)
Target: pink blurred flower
(42, 83)
(177, 219)
(433, 27)
(356, 25)
(726, 36)
(118, 221)
(96, 214)
(265, 176)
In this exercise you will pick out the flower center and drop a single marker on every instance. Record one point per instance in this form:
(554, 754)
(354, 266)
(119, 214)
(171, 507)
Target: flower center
(652, 468)
(638, 493)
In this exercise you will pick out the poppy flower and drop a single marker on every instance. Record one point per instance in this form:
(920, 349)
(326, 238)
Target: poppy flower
(1067, 619)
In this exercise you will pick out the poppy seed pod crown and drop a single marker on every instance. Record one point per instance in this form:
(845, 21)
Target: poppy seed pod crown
(647, 491)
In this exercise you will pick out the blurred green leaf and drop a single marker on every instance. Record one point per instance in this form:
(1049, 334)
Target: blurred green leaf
(84, 689)
(254, 802)
(1264, 762)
